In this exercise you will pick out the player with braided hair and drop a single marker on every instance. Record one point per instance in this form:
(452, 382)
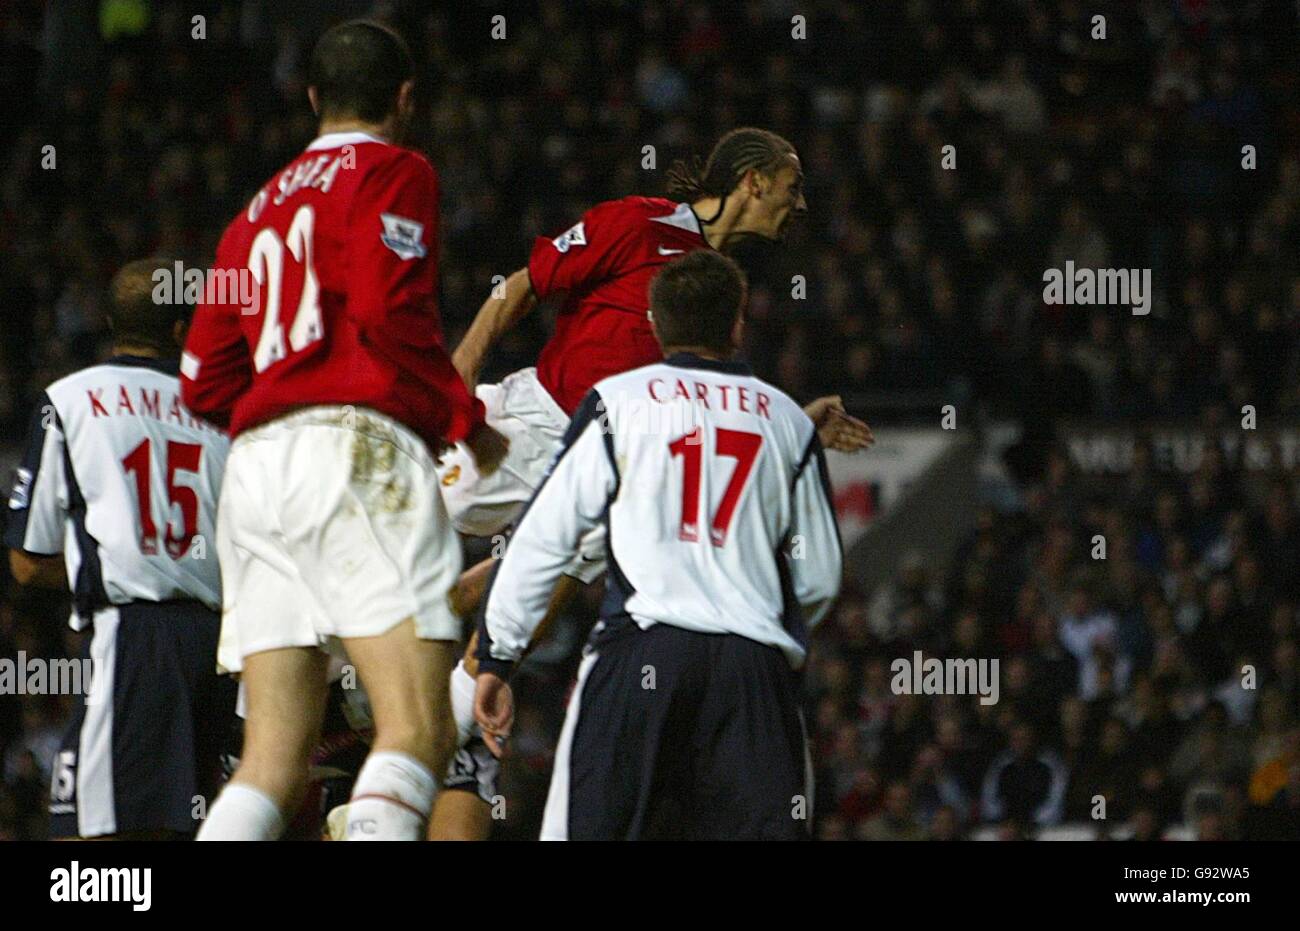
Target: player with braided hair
(599, 272)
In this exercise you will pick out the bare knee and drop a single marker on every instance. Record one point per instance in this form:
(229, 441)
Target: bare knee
(428, 738)
(282, 775)
(278, 762)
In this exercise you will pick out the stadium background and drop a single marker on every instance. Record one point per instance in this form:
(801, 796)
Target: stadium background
(1121, 676)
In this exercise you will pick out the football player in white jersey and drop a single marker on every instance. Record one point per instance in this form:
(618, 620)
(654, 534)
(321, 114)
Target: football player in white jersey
(723, 551)
(118, 488)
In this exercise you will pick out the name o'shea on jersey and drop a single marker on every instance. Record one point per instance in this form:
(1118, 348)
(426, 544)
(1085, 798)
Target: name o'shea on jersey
(316, 173)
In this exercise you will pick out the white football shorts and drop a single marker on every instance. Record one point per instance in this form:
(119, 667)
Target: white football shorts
(331, 524)
(482, 506)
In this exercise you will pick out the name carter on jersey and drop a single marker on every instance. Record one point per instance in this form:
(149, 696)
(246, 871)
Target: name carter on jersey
(660, 390)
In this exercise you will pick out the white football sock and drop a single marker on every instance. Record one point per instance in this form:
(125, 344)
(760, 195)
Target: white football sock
(392, 798)
(242, 812)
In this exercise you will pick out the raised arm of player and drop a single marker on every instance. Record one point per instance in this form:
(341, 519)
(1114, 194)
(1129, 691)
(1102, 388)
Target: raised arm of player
(816, 560)
(499, 313)
(589, 251)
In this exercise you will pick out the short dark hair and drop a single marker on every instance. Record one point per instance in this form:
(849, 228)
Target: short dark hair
(695, 300)
(357, 68)
(134, 314)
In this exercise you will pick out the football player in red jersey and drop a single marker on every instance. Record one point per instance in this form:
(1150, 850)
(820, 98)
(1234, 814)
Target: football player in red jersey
(338, 394)
(600, 270)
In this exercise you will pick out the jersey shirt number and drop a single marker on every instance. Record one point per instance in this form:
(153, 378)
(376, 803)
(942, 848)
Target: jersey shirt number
(738, 445)
(181, 457)
(266, 262)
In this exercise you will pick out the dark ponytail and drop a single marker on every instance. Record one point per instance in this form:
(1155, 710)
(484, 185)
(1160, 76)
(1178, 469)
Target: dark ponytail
(736, 153)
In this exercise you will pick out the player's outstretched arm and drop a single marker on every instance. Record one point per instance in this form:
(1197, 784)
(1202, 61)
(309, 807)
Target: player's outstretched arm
(837, 429)
(497, 315)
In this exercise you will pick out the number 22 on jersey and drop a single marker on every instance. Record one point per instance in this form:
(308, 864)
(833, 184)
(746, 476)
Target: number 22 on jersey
(266, 262)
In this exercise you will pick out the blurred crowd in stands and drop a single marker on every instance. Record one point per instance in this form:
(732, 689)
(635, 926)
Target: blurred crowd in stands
(921, 284)
(1154, 688)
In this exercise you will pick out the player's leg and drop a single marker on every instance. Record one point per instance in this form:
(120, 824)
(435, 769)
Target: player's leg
(285, 692)
(474, 770)
(751, 764)
(127, 768)
(520, 408)
(460, 816)
(621, 738)
(463, 810)
(406, 679)
(276, 488)
(365, 528)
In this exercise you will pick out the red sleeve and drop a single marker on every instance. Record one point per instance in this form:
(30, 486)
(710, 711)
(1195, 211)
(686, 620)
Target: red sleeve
(393, 261)
(216, 368)
(587, 253)
(393, 275)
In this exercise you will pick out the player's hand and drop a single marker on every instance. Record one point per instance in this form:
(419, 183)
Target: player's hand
(488, 447)
(494, 710)
(837, 429)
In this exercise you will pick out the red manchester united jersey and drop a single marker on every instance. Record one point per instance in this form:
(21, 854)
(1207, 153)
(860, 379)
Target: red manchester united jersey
(323, 293)
(603, 266)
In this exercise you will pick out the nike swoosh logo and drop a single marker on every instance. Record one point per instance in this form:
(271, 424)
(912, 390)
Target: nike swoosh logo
(663, 251)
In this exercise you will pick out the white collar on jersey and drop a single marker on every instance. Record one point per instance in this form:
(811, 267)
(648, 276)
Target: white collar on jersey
(334, 140)
(684, 218)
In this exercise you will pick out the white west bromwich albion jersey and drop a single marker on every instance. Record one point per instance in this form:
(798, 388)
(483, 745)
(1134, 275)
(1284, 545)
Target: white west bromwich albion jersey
(714, 490)
(123, 480)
